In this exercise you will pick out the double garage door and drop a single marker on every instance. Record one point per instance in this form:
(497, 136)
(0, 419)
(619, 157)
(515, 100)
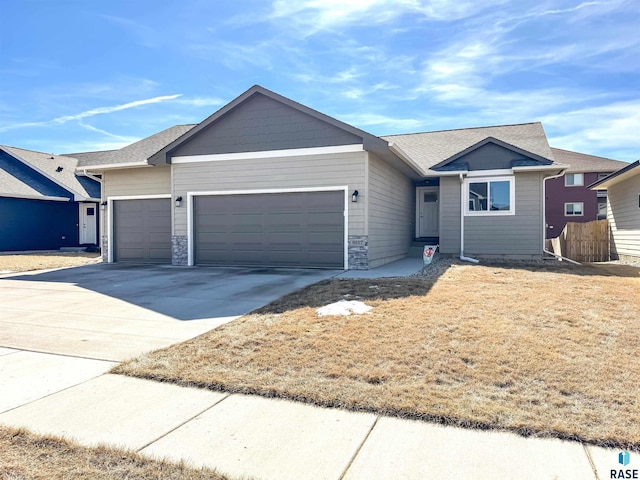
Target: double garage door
(299, 229)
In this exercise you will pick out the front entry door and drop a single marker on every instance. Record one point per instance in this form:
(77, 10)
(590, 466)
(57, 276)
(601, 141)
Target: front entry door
(428, 212)
(87, 223)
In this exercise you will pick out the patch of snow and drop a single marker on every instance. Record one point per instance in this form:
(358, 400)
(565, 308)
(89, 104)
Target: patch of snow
(344, 307)
(4, 271)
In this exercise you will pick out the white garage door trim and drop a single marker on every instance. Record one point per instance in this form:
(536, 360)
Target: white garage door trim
(110, 232)
(190, 201)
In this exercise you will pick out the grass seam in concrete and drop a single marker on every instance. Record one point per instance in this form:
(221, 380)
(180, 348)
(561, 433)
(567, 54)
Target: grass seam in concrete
(183, 423)
(357, 452)
(591, 462)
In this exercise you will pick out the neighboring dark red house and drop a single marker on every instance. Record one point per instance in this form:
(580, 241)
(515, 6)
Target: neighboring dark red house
(568, 199)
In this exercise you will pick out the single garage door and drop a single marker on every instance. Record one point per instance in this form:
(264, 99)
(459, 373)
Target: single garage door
(302, 229)
(142, 230)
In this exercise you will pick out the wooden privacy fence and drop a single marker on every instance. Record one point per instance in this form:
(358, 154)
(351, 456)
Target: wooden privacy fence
(584, 242)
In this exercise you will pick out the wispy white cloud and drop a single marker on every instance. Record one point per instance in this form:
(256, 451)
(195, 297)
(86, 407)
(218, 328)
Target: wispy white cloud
(235, 55)
(312, 16)
(611, 127)
(146, 36)
(383, 122)
(121, 138)
(344, 76)
(72, 145)
(90, 113)
(113, 108)
(198, 102)
(561, 11)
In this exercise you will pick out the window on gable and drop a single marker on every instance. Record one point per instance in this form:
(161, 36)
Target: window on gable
(574, 179)
(575, 209)
(490, 196)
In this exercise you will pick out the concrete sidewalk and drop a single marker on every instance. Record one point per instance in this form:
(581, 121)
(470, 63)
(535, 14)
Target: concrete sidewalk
(264, 438)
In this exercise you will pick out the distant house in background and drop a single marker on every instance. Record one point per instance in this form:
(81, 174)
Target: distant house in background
(44, 203)
(623, 211)
(568, 198)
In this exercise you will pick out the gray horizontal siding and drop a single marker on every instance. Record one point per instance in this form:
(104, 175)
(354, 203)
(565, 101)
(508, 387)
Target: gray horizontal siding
(450, 215)
(488, 157)
(624, 217)
(137, 181)
(260, 124)
(130, 182)
(391, 212)
(510, 235)
(273, 173)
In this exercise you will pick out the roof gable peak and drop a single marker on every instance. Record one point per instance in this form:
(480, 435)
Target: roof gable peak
(494, 141)
(163, 156)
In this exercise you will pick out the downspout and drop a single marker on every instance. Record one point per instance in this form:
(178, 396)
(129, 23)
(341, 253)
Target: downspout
(544, 220)
(462, 257)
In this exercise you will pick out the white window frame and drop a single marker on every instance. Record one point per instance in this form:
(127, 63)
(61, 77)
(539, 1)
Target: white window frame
(491, 213)
(599, 215)
(581, 214)
(573, 175)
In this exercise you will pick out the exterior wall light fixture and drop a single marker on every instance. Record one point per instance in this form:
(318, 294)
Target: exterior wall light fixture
(178, 201)
(354, 196)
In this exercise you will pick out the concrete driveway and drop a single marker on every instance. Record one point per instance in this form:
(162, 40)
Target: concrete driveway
(115, 312)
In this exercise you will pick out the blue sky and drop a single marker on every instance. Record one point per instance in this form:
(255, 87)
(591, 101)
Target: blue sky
(90, 75)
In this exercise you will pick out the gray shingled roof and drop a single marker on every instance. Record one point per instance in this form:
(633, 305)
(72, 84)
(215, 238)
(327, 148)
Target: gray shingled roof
(48, 165)
(430, 148)
(581, 162)
(137, 152)
(11, 186)
(94, 158)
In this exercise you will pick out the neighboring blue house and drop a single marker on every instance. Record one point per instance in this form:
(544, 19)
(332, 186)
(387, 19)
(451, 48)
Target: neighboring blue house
(44, 204)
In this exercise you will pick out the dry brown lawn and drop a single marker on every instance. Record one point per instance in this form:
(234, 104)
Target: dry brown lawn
(40, 261)
(538, 350)
(29, 456)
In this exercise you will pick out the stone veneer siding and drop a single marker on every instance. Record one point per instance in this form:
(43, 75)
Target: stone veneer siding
(105, 249)
(358, 252)
(179, 250)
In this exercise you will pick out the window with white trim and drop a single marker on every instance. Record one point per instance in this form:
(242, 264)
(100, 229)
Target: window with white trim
(575, 209)
(574, 180)
(602, 208)
(490, 195)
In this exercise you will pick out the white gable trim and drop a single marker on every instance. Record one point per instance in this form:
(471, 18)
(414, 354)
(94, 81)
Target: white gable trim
(113, 166)
(292, 152)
